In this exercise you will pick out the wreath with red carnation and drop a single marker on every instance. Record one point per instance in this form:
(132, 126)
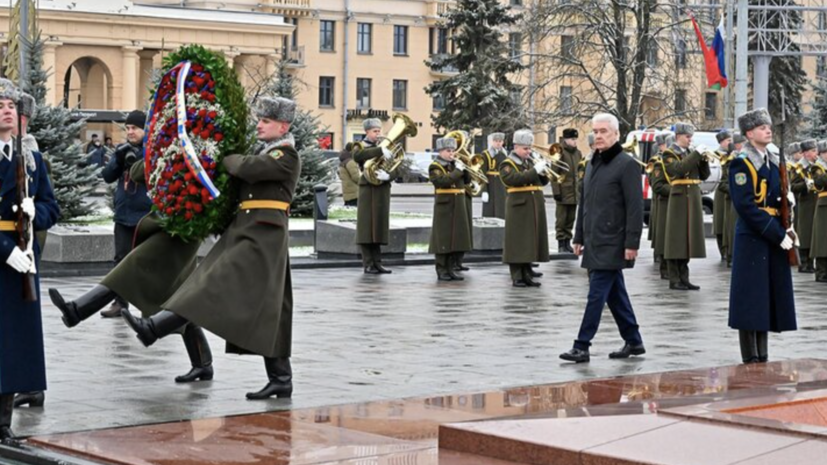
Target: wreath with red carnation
(198, 115)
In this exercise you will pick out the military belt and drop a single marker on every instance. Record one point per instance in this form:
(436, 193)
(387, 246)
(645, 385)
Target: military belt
(450, 191)
(264, 205)
(512, 190)
(8, 226)
(686, 182)
(493, 173)
(771, 211)
(822, 194)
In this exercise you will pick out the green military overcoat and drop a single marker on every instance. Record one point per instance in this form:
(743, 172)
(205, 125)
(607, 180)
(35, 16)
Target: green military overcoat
(568, 190)
(684, 215)
(374, 209)
(495, 207)
(242, 291)
(730, 215)
(818, 249)
(719, 206)
(660, 199)
(526, 227)
(450, 231)
(806, 206)
(157, 265)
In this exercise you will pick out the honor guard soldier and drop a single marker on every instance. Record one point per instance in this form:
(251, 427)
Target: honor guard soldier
(803, 186)
(685, 169)
(526, 228)
(450, 233)
(248, 269)
(818, 249)
(566, 191)
(374, 209)
(660, 203)
(719, 207)
(493, 197)
(27, 205)
(761, 290)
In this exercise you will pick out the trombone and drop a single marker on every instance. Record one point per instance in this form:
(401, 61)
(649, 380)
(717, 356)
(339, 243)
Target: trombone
(551, 155)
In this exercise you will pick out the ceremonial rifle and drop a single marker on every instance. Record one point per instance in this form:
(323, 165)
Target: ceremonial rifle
(23, 222)
(785, 211)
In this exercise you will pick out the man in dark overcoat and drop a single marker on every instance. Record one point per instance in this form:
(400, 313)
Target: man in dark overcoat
(607, 235)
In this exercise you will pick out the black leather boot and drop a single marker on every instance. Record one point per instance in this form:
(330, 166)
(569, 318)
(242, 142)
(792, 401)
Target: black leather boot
(84, 306)
(561, 246)
(6, 410)
(761, 340)
(200, 355)
(32, 399)
(155, 327)
(749, 346)
(280, 375)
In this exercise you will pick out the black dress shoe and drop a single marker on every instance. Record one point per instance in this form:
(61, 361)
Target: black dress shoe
(531, 283)
(628, 350)
(461, 268)
(371, 270)
(455, 277)
(444, 277)
(678, 287)
(535, 274)
(692, 287)
(576, 356)
(382, 269)
(6, 435)
(519, 283)
(32, 399)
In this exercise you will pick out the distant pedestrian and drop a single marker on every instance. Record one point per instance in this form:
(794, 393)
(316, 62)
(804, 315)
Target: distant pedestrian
(95, 142)
(349, 175)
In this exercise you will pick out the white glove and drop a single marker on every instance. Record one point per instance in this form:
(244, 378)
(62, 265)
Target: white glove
(387, 153)
(485, 197)
(795, 235)
(810, 184)
(787, 243)
(28, 207)
(460, 165)
(383, 175)
(541, 166)
(791, 199)
(19, 260)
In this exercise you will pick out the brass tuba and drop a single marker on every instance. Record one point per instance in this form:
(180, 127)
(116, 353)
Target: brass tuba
(472, 162)
(552, 155)
(633, 149)
(402, 127)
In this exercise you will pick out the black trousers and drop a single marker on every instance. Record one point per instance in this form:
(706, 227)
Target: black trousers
(371, 254)
(123, 245)
(520, 271)
(678, 271)
(352, 202)
(608, 287)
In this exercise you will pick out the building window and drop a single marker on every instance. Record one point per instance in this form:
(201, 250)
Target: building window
(680, 54)
(713, 11)
(439, 42)
(516, 97)
(565, 100)
(567, 47)
(680, 101)
(516, 2)
(400, 40)
(711, 106)
(822, 20)
(327, 32)
(438, 102)
(652, 53)
(515, 45)
(362, 93)
(821, 67)
(364, 31)
(400, 94)
(551, 134)
(326, 84)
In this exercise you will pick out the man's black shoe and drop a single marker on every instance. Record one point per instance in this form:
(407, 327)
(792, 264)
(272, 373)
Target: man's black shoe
(628, 350)
(371, 270)
(461, 268)
(382, 269)
(444, 277)
(692, 287)
(678, 287)
(455, 277)
(576, 356)
(531, 283)
(519, 283)
(535, 274)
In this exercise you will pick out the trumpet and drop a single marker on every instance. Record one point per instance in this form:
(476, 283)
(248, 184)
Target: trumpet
(472, 162)
(707, 154)
(551, 155)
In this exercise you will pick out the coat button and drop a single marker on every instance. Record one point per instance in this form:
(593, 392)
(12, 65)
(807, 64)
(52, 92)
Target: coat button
(251, 196)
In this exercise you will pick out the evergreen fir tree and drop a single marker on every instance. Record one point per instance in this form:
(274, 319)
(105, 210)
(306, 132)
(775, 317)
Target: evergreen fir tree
(786, 73)
(816, 119)
(306, 130)
(479, 96)
(56, 135)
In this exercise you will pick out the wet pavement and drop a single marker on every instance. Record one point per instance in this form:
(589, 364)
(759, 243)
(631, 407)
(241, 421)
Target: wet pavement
(361, 338)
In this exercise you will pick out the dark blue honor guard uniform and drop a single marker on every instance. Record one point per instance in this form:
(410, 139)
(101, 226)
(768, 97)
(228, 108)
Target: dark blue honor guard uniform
(761, 292)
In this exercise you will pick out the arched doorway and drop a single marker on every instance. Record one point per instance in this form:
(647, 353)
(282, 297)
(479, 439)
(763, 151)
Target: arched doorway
(87, 84)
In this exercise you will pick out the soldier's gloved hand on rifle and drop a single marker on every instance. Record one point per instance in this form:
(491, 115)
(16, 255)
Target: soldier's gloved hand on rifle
(460, 165)
(387, 153)
(791, 199)
(485, 197)
(794, 235)
(787, 243)
(382, 175)
(28, 207)
(541, 167)
(19, 260)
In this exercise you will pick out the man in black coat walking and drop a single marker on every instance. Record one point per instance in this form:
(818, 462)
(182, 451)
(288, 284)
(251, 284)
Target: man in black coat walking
(607, 235)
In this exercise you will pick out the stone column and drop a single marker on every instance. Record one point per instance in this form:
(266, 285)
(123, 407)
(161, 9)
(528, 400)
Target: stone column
(230, 56)
(49, 65)
(270, 64)
(129, 79)
(144, 74)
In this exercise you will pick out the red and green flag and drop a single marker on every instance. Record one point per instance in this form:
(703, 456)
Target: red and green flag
(713, 56)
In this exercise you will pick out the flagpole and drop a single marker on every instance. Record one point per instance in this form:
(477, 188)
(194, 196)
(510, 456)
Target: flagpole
(729, 119)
